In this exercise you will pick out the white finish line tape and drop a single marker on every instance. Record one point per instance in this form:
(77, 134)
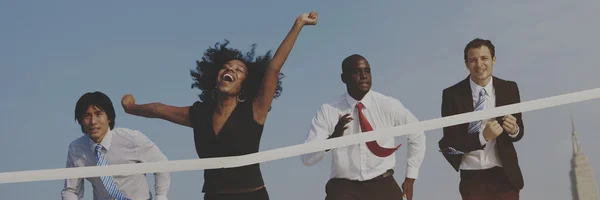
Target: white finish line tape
(295, 150)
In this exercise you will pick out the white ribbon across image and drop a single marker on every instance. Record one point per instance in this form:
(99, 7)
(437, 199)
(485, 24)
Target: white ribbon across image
(295, 150)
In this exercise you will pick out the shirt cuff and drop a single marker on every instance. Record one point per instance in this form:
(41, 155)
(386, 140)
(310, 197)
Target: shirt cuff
(412, 172)
(516, 134)
(482, 139)
(161, 197)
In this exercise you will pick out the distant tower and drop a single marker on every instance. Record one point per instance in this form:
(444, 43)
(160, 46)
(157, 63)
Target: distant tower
(583, 183)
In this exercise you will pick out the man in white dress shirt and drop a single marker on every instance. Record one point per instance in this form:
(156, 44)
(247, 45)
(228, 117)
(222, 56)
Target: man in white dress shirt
(483, 151)
(103, 144)
(364, 171)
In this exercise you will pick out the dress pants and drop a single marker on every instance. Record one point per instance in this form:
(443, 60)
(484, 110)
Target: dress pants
(487, 184)
(260, 194)
(379, 188)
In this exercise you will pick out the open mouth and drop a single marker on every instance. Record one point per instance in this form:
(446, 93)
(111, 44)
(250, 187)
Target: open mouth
(93, 130)
(228, 78)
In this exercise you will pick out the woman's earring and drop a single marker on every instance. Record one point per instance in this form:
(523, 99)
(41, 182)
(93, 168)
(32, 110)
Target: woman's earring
(240, 99)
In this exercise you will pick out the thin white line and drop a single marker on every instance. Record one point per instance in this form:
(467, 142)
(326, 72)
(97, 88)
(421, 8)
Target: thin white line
(295, 150)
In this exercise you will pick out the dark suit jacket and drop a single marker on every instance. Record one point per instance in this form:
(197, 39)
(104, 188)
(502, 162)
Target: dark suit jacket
(458, 99)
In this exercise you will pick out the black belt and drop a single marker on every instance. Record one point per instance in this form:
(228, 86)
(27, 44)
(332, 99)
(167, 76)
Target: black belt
(387, 173)
(482, 173)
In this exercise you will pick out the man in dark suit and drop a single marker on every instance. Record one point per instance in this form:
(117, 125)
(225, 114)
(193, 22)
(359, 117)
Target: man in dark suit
(483, 151)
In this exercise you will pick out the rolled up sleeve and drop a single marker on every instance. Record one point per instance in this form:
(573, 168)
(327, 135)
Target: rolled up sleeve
(149, 152)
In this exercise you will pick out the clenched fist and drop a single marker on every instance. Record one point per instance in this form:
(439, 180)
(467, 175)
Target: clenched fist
(127, 101)
(308, 19)
(492, 130)
(510, 124)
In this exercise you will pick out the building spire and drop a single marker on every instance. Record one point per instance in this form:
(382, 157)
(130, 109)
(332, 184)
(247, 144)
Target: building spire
(576, 147)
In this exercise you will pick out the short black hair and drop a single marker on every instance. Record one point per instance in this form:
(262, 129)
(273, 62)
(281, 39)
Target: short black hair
(99, 100)
(206, 72)
(351, 60)
(478, 42)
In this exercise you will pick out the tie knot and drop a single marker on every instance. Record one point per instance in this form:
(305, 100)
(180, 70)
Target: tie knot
(359, 105)
(482, 92)
(99, 147)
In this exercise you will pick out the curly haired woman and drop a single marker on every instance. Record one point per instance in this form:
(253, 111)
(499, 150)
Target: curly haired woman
(228, 120)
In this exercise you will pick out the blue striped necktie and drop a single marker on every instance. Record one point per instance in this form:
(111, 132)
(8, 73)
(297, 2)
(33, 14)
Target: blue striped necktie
(108, 181)
(474, 126)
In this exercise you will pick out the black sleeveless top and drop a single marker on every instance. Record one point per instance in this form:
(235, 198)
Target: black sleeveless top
(239, 135)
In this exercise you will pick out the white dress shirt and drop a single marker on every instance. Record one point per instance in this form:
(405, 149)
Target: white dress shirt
(488, 157)
(122, 146)
(356, 162)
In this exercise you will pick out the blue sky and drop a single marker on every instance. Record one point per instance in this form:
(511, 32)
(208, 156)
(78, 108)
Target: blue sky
(51, 52)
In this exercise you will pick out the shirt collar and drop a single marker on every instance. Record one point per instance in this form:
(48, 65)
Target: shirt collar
(106, 141)
(366, 100)
(476, 88)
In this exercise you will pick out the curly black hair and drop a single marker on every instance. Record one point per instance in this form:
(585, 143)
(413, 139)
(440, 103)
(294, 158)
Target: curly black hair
(205, 74)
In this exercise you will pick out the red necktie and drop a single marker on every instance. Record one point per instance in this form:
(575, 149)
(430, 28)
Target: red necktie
(372, 145)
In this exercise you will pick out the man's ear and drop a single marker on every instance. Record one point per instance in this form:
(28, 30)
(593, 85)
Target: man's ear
(343, 77)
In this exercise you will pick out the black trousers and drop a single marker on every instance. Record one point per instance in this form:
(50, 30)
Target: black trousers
(486, 184)
(260, 194)
(385, 188)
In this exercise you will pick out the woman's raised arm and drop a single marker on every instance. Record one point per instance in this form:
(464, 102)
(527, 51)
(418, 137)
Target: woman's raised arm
(177, 115)
(266, 93)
